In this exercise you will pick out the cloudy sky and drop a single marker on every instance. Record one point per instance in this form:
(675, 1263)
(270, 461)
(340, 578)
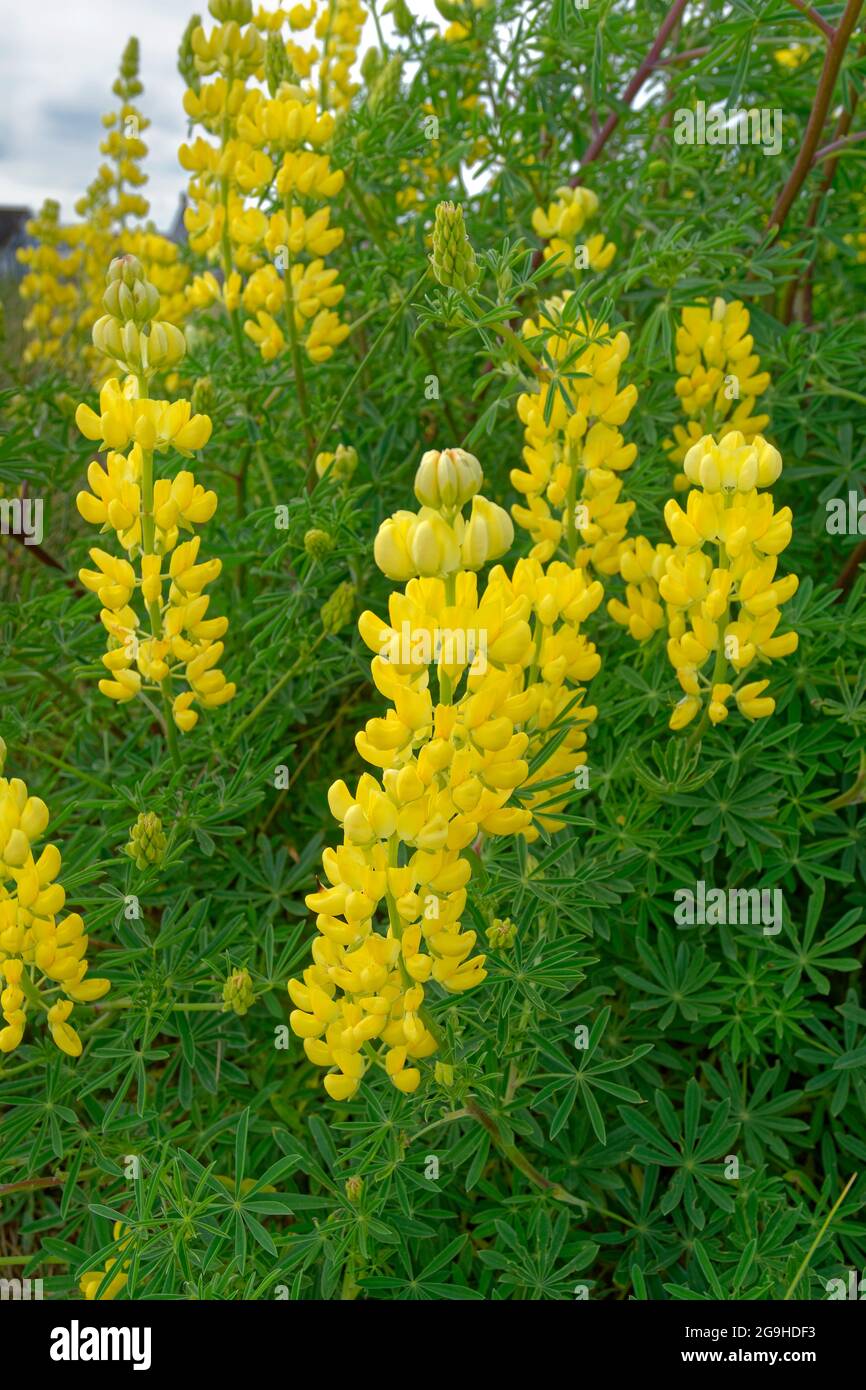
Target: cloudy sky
(58, 60)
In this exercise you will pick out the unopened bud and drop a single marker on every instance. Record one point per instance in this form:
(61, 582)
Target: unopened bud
(238, 993)
(166, 345)
(241, 11)
(502, 934)
(447, 480)
(278, 69)
(453, 259)
(203, 397)
(318, 544)
(337, 610)
(147, 841)
(106, 337)
(126, 268)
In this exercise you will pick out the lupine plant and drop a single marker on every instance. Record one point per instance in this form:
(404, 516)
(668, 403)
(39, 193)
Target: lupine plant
(483, 918)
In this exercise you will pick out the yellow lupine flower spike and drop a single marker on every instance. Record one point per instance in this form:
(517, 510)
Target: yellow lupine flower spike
(42, 954)
(574, 455)
(476, 680)
(723, 609)
(166, 639)
(258, 200)
(719, 377)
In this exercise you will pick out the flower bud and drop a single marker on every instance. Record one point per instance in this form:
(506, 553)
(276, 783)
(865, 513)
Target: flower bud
(447, 480)
(391, 547)
(488, 534)
(502, 934)
(130, 341)
(385, 87)
(224, 11)
(203, 398)
(126, 268)
(106, 336)
(147, 841)
(337, 610)
(433, 545)
(453, 259)
(278, 69)
(341, 464)
(166, 345)
(318, 544)
(238, 993)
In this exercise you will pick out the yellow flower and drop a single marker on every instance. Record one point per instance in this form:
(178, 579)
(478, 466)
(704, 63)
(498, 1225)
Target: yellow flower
(171, 639)
(719, 380)
(38, 947)
(574, 452)
(560, 225)
(723, 610)
(508, 662)
(89, 1283)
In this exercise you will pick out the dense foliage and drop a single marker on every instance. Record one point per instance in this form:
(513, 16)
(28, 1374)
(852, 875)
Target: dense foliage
(623, 1102)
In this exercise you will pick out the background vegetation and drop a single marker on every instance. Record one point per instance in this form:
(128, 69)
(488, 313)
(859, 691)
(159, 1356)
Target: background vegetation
(556, 1170)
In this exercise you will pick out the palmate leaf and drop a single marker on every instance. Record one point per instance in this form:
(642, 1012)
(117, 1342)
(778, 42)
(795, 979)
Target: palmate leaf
(578, 1082)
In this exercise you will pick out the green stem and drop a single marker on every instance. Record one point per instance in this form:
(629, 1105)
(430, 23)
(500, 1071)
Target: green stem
(819, 1237)
(571, 502)
(274, 690)
(519, 1161)
(297, 360)
(148, 534)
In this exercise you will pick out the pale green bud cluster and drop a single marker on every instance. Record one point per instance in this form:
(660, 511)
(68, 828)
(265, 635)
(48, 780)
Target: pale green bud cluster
(186, 55)
(338, 610)
(127, 85)
(278, 69)
(203, 398)
(223, 11)
(238, 993)
(318, 544)
(385, 85)
(453, 259)
(502, 934)
(147, 841)
(129, 332)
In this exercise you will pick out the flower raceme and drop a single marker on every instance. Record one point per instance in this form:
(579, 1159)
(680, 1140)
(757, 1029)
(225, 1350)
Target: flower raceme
(67, 265)
(574, 453)
(718, 389)
(475, 680)
(174, 639)
(724, 609)
(259, 199)
(720, 378)
(49, 285)
(41, 953)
